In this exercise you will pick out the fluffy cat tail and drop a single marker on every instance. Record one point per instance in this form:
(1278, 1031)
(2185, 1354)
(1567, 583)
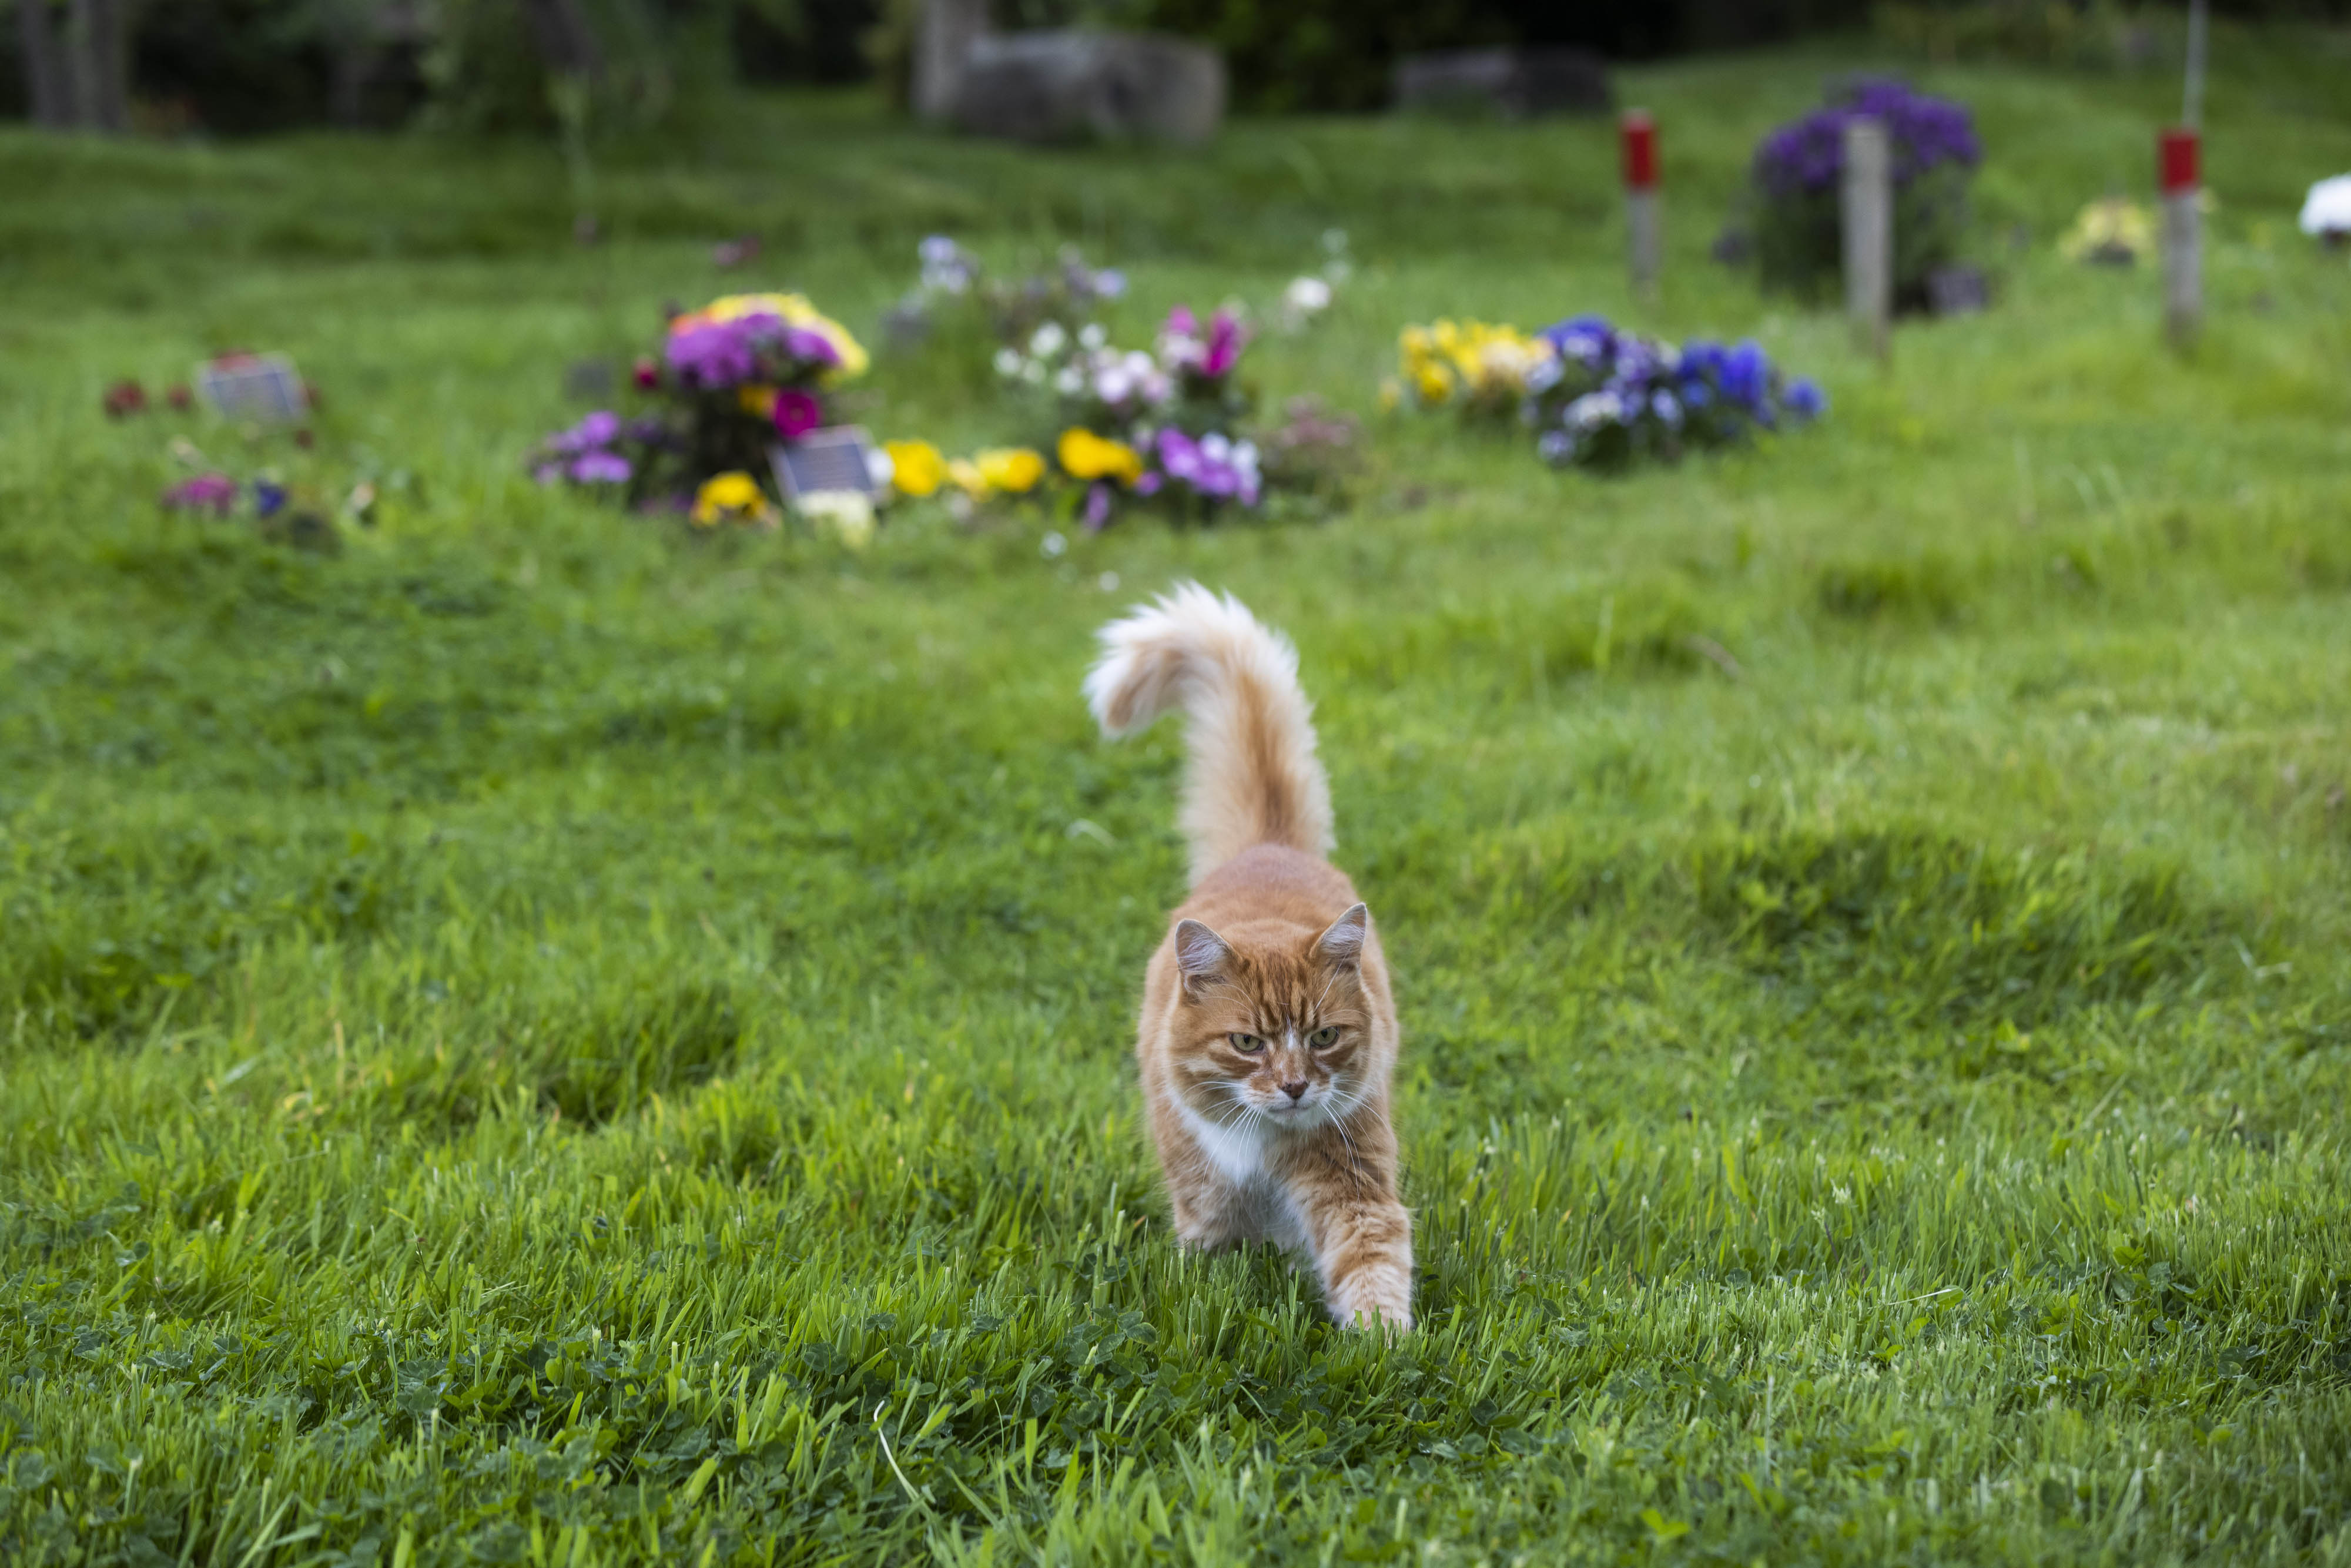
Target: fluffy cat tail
(1254, 778)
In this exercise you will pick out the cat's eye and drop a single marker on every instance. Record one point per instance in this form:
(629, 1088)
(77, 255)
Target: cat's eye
(1247, 1044)
(1324, 1038)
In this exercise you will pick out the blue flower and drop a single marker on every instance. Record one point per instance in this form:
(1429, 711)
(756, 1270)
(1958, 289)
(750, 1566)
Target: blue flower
(1804, 398)
(268, 497)
(1746, 375)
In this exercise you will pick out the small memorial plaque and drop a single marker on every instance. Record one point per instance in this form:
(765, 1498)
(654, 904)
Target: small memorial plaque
(840, 457)
(253, 386)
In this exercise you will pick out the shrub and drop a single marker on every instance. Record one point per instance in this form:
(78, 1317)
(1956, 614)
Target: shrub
(1799, 172)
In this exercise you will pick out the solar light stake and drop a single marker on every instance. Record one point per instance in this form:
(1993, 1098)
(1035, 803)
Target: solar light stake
(1641, 221)
(1868, 211)
(2183, 235)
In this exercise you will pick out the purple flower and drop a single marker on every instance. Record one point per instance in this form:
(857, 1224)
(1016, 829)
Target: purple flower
(1808, 154)
(1098, 502)
(600, 468)
(216, 492)
(599, 428)
(714, 355)
(808, 344)
(1746, 375)
(1804, 398)
(268, 498)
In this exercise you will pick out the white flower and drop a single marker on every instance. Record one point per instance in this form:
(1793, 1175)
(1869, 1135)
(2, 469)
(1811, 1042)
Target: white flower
(1053, 545)
(879, 469)
(1033, 374)
(1069, 382)
(1216, 447)
(1008, 362)
(1114, 385)
(1139, 364)
(1092, 336)
(1305, 296)
(1545, 375)
(848, 513)
(1048, 340)
(1594, 409)
(2327, 209)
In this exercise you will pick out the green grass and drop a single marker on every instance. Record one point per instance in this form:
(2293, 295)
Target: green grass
(538, 1038)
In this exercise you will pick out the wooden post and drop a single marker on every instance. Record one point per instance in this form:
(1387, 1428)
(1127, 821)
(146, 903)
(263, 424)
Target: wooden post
(1644, 230)
(2183, 236)
(1868, 211)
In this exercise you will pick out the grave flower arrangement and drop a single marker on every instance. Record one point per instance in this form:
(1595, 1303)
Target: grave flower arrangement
(732, 379)
(1598, 397)
(1604, 398)
(1479, 368)
(1799, 169)
(1164, 425)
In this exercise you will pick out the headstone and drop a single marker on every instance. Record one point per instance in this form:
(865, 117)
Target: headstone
(261, 387)
(839, 457)
(1867, 210)
(1516, 84)
(1066, 84)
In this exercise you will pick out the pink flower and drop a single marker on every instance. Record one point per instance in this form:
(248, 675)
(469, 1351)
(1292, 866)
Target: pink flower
(796, 413)
(1226, 342)
(214, 491)
(647, 374)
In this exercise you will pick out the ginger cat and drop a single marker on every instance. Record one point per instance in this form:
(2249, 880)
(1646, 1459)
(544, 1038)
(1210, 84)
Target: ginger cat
(1267, 1033)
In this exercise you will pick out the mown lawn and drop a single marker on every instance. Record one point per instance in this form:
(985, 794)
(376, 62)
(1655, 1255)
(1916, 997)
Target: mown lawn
(539, 1039)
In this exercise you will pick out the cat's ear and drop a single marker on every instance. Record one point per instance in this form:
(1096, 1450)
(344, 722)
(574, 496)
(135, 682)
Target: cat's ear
(1343, 943)
(1200, 956)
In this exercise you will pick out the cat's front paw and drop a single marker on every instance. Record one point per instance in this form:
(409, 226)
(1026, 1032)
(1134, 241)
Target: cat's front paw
(1375, 1298)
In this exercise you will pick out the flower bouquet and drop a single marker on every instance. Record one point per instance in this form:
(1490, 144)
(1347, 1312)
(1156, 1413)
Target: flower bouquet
(1481, 368)
(1799, 170)
(1606, 398)
(1598, 397)
(733, 379)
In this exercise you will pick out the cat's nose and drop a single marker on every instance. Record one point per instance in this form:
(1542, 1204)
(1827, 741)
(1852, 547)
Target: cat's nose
(1295, 1091)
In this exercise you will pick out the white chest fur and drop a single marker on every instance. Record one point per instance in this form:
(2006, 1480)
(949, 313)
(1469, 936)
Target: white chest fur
(1262, 1206)
(1236, 1149)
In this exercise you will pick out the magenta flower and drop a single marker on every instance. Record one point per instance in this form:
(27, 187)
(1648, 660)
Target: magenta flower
(216, 492)
(796, 413)
(1226, 342)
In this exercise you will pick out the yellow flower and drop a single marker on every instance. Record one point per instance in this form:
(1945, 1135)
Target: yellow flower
(1474, 361)
(1085, 456)
(761, 401)
(1014, 470)
(796, 312)
(2114, 230)
(848, 514)
(1432, 382)
(732, 497)
(917, 468)
(964, 475)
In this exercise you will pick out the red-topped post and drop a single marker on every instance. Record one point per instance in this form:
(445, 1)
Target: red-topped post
(2178, 157)
(1639, 133)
